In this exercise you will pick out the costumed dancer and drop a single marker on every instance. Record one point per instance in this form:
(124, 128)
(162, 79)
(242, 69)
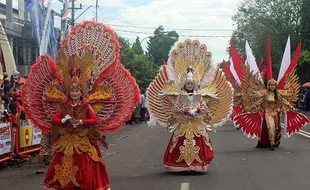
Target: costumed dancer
(263, 106)
(87, 93)
(190, 96)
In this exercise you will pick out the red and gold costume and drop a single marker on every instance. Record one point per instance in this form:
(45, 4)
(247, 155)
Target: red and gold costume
(263, 107)
(88, 60)
(189, 115)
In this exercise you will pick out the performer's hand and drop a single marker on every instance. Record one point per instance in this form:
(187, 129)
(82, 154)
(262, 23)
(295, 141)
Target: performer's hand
(76, 123)
(193, 112)
(66, 118)
(294, 109)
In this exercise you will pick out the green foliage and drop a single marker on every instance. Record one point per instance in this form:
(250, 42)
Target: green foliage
(305, 24)
(160, 44)
(136, 46)
(141, 68)
(304, 66)
(255, 19)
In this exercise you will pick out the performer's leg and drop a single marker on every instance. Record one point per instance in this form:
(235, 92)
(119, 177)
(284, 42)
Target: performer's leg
(270, 121)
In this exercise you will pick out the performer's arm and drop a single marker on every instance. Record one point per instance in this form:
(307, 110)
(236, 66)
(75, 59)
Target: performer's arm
(57, 118)
(92, 118)
(285, 102)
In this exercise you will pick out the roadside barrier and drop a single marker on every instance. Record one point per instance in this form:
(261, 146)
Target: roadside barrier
(18, 139)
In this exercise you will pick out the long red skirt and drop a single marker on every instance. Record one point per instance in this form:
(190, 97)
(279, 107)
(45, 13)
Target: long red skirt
(91, 175)
(205, 154)
(264, 141)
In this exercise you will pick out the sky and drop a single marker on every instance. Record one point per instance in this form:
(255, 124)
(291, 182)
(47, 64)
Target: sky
(209, 21)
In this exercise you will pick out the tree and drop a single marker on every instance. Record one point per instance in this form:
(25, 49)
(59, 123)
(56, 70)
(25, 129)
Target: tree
(141, 68)
(160, 44)
(255, 19)
(136, 46)
(304, 66)
(305, 24)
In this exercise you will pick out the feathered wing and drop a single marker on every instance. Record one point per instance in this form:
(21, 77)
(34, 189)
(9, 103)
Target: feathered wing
(250, 85)
(253, 92)
(291, 88)
(250, 123)
(159, 106)
(184, 54)
(220, 107)
(293, 121)
(114, 98)
(111, 90)
(41, 93)
(97, 37)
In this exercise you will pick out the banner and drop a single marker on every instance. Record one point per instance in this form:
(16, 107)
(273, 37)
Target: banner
(5, 138)
(42, 27)
(29, 135)
(36, 18)
(37, 136)
(46, 29)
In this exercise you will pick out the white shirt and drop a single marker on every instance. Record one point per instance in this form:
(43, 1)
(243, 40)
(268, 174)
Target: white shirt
(142, 100)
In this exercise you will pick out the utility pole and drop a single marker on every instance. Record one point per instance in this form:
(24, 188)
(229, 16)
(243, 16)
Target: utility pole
(72, 12)
(73, 8)
(96, 10)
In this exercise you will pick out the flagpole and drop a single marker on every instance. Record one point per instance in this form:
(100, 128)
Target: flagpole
(96, 10)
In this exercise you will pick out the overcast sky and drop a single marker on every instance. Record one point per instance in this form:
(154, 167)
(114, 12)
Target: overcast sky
(211, 18)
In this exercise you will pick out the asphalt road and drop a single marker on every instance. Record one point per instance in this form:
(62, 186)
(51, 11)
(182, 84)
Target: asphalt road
(134, 162)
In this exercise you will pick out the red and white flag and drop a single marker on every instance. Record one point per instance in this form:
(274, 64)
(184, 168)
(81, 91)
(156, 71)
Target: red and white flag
(286, 60)
(291, 66)
(66, 10)
(236, 62)
(250, 59)
(233, 71)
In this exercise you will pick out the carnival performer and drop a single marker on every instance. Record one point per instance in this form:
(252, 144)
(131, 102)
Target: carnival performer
(190, 96)
(87, 93)
(263, 106)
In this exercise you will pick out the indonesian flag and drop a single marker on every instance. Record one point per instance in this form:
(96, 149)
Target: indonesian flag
(66, 9)
(227, 71)
(291, 66)
(233, 72)
(250, 59)
(286, 60)
(235, 64)
(42, 2)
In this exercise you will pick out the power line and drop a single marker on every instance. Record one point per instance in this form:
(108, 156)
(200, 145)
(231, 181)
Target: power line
(173, 28)
(182, 35)
(150, 33)
(153, 28)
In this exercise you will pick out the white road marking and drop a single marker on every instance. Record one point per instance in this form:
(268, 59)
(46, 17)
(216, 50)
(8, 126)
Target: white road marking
(184, 186)
(301, 132)
(304, 133)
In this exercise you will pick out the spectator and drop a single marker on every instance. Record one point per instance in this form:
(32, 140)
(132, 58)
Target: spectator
(143, 106)
(45, 152)
(17, 87)
(18, 101)
(7, 96)
(307, 99)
